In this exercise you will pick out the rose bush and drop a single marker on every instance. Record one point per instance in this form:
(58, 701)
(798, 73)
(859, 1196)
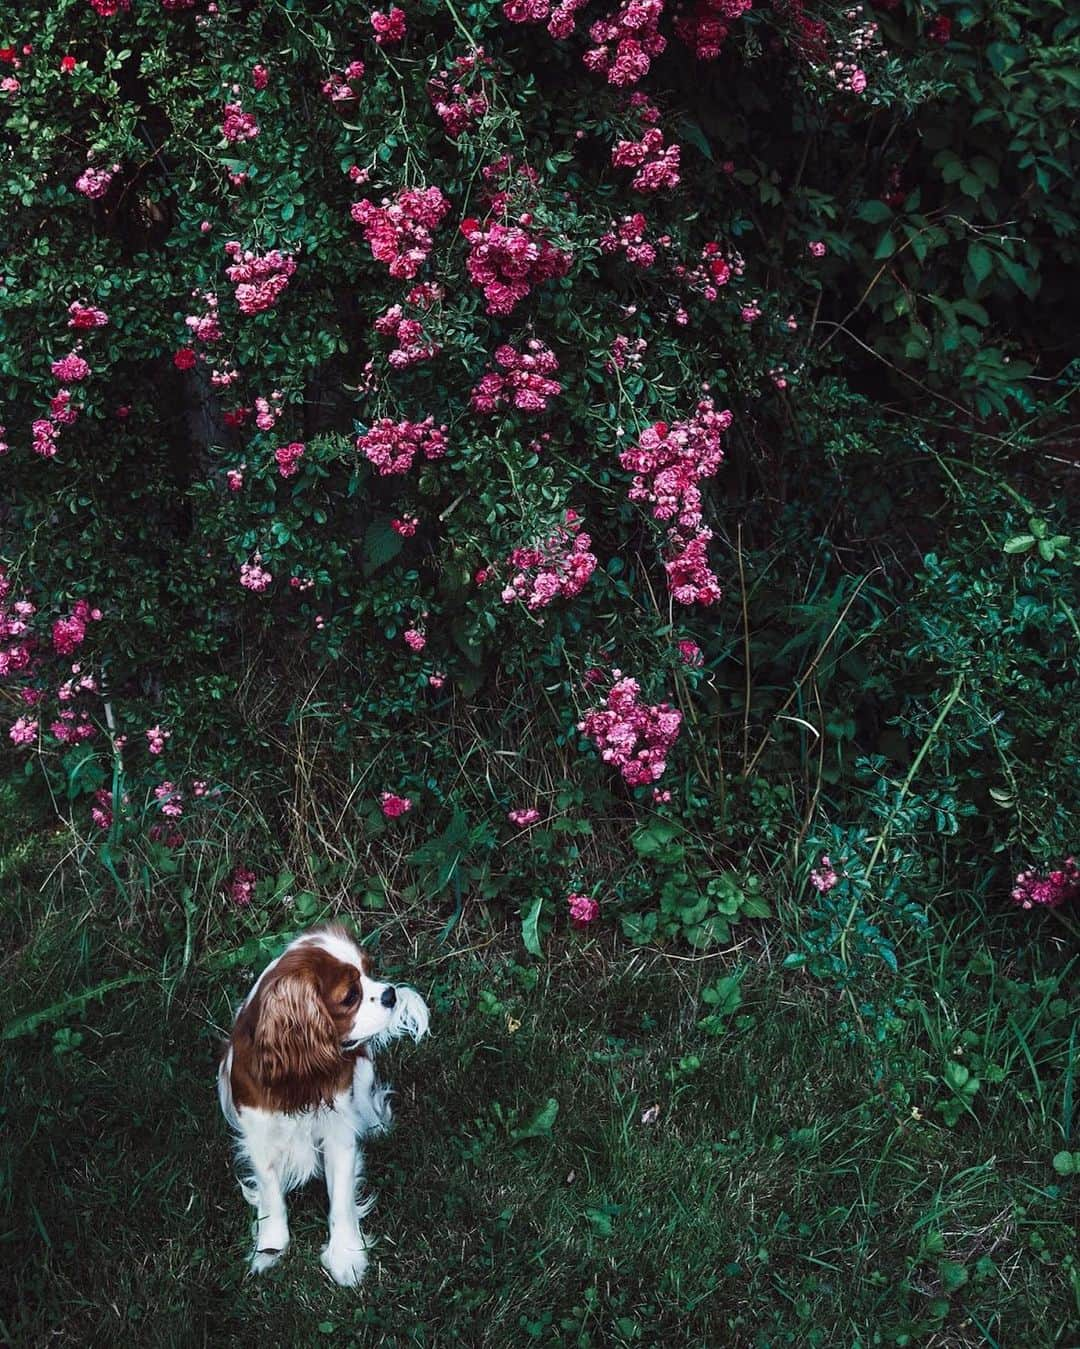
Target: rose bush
(325, 332)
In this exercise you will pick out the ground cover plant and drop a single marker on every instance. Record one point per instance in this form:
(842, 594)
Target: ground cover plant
(582, 491)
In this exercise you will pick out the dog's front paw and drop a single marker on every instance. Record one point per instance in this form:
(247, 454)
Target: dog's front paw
(266, 1258)
(345, 1262)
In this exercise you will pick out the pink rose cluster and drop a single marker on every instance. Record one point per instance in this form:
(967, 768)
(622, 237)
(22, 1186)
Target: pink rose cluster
(626, 353)
(106, 9)
(69, 633)
(412, 344)
(633, 736)
(268, 410)
(824, 877)
(627, 41)
(83, 317)
(392, 446)
(389, 27)
(24, 731)
(170, 797)
(668, 463)
(844, 65)
(205, 327)
(71, 688)
(657, 166)
(627, 236)
(458, 95)
(561, 19)
(241, 886)
(399, 231)
(253, 576)
(523, 382)
(1033, 889)
(101, 811)
(72, 728)
(341, 89)
(15, 619)
(703, 28)
(507, 261)
(523, 817)
(506, 182)
(259, 278)
(560, 566)
(714, 269)
(690, 578)
(72, 369)
(155, 739)
(288, 458)
(238, 125)
(94, 183)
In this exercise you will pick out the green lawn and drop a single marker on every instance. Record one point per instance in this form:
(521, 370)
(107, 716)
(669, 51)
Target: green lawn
(797, 1186)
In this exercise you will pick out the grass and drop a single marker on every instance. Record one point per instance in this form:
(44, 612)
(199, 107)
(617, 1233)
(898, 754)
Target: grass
(795, 1185)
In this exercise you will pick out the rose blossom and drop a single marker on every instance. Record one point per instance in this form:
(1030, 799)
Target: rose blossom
(583, 909)
(393, 806)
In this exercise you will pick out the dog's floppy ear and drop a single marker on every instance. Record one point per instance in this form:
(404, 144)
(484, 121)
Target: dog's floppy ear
(295, 1042)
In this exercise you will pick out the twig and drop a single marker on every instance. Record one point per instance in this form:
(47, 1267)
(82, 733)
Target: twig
(812, 667)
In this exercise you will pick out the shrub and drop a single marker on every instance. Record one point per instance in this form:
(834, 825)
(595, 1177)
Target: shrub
(809, 266)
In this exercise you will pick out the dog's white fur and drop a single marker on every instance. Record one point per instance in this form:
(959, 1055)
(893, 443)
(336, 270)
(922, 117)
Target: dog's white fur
(278, 1151)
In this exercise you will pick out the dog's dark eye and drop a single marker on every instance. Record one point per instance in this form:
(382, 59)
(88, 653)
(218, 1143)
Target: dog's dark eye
(350, 997)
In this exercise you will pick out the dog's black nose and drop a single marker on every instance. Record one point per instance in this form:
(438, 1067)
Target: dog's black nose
(389, 997)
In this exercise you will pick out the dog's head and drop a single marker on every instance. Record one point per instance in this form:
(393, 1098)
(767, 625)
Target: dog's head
(312, 1009)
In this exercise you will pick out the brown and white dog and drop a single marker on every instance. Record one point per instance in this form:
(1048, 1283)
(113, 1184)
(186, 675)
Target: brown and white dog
(297, 1083)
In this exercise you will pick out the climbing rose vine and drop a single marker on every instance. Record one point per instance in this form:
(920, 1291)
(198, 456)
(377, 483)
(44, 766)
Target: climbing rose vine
(374, 377)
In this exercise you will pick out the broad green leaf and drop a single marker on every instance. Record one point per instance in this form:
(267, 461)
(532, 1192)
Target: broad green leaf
(981, 262)
(530, 926)
(541, 1123)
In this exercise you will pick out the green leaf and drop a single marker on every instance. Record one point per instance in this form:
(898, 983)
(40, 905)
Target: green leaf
(1067, 1163)
(381, 545)
(691, 132)
(541, 1123)
(1019, 543)
(756, 906)
(874, 212)
(73, 1003)
(981, 262)
(725, 995)
(657, 840)
(530, 926)
(600, 1218)
(953, 1275)
(956, 1075)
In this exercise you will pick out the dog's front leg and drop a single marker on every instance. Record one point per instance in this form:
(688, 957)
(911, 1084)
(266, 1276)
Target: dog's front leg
(344, 1256)
(272, 1224)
